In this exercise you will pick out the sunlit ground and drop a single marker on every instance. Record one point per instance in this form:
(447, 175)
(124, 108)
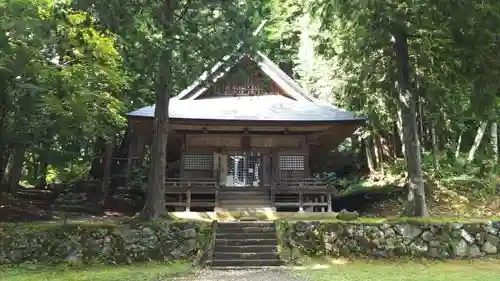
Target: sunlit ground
(344, 270)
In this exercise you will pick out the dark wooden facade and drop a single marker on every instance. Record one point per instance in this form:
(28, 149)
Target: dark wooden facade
(262, 159)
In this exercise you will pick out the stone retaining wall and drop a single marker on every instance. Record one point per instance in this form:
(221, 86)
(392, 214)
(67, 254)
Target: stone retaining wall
(388, 240)
(90, 243)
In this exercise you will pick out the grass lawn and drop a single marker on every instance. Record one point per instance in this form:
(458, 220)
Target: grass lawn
(341, 270)
(141, 272)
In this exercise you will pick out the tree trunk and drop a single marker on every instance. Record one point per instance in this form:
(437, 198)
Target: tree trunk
(380, 152)
(155, 199)
(400, 131)
(459, 143)
(35, 164)
(369, 154)
(354, 144)
(494, 142)
(376, 152)
(435, 147)
(42, 180)
(395, 143)
(477, 141)
(4, 161)
(421, 124)
(16, 170)
(96, 166)
(108, 158)
(407, 100)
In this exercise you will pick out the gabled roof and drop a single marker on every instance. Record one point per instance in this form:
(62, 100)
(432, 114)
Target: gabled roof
(273, 71)
(251, 108)
(301, 107)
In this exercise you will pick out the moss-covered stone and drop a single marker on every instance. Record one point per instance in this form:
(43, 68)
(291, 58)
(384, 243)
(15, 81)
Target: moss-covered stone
(439, 240)
(104, 242)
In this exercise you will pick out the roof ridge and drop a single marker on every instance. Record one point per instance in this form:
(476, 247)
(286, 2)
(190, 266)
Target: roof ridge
(299, 89)
(266, 65)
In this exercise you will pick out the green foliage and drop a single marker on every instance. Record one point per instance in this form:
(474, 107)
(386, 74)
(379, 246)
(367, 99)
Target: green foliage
(139, 176)
(62, 84)
(72, 69)
(344, 54)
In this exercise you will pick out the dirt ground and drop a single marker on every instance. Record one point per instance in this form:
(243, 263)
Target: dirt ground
(37, 207)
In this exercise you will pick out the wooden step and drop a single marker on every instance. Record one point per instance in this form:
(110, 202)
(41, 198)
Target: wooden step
(245, 203)
(243, 196)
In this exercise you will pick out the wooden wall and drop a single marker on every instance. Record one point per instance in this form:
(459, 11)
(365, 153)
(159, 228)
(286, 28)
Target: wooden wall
(277, 151)
(245, 142)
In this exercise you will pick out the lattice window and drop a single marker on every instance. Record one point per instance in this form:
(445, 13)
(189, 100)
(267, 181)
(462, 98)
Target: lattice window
(198, 162)
(248, 89)
(292, 162)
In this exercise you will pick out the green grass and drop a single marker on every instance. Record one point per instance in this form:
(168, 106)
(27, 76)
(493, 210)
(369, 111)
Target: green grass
(330, 217)
(340, 270)
(136, 272)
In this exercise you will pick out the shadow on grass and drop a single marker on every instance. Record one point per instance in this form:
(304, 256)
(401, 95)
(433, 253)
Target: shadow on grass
(136, 272)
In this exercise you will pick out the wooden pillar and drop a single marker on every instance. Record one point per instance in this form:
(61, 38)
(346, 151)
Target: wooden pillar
(188, 199)
(183, 153)
(329, 198)
(218, 168)
(307, 168)
(301, 201)
(275, 167)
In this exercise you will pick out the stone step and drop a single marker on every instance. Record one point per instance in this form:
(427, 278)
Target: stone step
(246, 229)
(247, 242)
(246, 249)
(245, 256)
(225, 263)
(239, 224)
(245, 236)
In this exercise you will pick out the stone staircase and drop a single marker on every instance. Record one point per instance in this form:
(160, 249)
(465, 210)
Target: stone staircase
(246, 244)
(238, 199)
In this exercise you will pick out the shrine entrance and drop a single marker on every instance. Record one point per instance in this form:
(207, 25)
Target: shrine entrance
(244, 169)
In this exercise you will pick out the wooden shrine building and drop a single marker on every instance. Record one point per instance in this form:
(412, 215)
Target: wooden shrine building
(244, 135)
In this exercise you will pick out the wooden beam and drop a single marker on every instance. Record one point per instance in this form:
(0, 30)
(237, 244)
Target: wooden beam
(260, 133)
(301, 202)
(188, 200)
(229, 127)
